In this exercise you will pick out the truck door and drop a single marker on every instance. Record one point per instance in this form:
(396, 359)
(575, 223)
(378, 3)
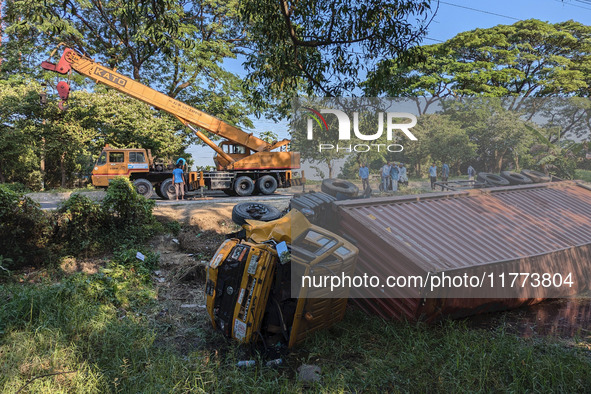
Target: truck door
(100, 171)
(117, 165)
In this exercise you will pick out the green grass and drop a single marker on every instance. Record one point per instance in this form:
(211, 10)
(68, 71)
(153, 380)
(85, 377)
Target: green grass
(103, 328)
(584, 175)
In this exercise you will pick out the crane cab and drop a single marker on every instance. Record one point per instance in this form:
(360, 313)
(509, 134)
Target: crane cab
(236, 151)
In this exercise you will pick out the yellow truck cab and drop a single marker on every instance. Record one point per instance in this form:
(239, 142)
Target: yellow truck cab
(119, 162)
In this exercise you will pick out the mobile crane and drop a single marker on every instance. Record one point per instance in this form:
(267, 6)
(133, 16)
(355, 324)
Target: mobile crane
(244, 163)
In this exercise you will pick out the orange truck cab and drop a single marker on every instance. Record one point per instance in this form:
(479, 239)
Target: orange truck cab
(119, 162)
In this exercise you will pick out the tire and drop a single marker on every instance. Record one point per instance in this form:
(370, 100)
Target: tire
(143, 187)
(256, 211)
(492, 179)
(167, 189)
(333, 186)
(536, 176)
(243, 186)
(267, 184)
(515, 178)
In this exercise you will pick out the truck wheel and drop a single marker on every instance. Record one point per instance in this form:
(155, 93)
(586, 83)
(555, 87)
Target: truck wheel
(167, 190)
(249, 210)
(515, 178)
(267, 184)
(244, 186)
(332, 186)
(492, 179)
(143, 187)
(536, 176)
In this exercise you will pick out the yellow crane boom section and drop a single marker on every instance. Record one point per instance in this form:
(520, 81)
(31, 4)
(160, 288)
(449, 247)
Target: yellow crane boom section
(185, 113)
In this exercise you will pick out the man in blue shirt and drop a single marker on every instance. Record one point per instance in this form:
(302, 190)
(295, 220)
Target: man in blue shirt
(444, 172)
(433, 175)
(364, 175)
(179, 182)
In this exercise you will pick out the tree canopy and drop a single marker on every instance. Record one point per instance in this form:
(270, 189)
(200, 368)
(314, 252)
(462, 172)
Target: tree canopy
(530, 58)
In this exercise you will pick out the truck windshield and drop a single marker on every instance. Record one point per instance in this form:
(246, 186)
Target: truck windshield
(102, 160)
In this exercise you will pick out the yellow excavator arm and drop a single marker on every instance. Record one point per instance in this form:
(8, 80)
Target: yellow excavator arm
(185, 113)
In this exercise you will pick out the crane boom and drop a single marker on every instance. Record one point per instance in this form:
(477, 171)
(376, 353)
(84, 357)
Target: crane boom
(185, 113)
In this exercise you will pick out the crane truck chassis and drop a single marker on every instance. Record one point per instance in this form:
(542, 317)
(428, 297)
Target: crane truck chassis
(244, 163)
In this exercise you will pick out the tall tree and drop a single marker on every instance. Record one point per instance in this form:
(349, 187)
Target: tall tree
(325, 48)
(177, 47)
(530, 58)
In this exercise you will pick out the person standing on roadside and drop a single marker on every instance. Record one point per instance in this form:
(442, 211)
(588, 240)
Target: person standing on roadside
(394, 175)
(444, 172)
(364, 175)
(179, 182)
(433, 175)
(402, 177)
(385, 177)
(471, 173)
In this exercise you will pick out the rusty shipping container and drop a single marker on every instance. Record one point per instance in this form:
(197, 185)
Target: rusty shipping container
(542, 228)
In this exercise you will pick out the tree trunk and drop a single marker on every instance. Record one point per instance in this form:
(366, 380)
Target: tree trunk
(2, 179)
(63, 169)
(329, 164)
(42, 164)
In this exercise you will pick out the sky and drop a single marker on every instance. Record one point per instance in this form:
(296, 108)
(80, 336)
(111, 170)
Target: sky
(453, 17)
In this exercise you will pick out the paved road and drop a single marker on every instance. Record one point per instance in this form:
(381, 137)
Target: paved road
(49, 202)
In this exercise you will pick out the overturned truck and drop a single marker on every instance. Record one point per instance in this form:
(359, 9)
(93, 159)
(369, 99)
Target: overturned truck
(461, 253)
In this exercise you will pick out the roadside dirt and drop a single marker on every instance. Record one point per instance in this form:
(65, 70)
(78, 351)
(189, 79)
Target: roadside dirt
(180, 280)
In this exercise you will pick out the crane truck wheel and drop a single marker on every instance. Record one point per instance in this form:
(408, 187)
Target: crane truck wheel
(143, 187)
(267, 184)
(244, 186)
(167, 189)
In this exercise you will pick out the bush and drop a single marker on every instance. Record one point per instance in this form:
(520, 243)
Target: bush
(25, 230)
(126, 206)
(173, 227)
(17, 187)
(30, 236)
(80, 224)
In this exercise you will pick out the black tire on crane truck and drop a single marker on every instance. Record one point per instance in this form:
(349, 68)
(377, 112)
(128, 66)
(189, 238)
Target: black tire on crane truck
(267, 184)
(167, 189)
(143, 187)
(243, 186)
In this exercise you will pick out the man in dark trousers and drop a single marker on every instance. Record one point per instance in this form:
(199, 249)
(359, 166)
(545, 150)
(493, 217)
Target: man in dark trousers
(179, 182)
(444, 172)
(433, 175)
(364, 175)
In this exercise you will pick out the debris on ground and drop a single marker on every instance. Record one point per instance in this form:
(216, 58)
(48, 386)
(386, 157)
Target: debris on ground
(309, 373)
(200, 243)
